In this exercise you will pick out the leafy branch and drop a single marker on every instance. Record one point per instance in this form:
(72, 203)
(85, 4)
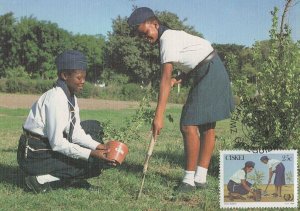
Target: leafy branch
(257, 178)
(130, 130)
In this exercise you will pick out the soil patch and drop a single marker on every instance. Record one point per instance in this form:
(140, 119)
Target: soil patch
(286, 189)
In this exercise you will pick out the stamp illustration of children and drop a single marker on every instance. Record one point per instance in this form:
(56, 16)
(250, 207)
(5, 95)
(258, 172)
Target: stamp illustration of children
(238, 184)
(275, 167)
(243, 186)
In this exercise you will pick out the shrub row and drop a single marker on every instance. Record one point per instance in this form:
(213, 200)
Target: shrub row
(22, 85)
(114, 91)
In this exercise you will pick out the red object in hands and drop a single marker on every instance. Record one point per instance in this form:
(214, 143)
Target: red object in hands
(118, 151)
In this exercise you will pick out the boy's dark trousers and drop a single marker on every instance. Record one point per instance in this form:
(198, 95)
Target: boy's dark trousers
(43, 160)
(237, 188)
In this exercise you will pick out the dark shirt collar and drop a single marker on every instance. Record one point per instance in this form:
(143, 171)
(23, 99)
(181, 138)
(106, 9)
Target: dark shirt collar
(161, 30)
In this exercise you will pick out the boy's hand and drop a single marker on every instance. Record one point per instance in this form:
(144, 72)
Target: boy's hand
(101, 147)
(101, 154)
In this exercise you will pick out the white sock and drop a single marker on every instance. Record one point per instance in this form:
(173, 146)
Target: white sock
(42, 179)
(189, 177)
(200, 175)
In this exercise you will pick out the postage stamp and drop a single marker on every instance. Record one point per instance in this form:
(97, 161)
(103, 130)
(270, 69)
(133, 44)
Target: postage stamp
(258, 179)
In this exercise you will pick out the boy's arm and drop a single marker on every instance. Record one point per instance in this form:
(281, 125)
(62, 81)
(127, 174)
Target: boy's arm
(243, 182)
(164, 91)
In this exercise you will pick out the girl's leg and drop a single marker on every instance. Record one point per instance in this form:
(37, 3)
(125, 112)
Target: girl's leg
(191, 146)
(207, 146)
(191, 151)
(279, 190)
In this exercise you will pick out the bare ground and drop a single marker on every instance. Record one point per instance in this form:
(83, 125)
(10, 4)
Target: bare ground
(26, 101)
(267, 196)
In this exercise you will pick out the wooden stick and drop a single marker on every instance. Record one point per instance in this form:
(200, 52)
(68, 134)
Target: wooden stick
(148, 155)
(142, 185)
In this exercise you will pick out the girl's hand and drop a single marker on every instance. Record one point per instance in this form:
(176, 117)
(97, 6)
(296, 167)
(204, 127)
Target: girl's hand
(157, 125)
(174, 81)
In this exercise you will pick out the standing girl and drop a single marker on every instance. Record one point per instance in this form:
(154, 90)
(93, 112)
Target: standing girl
(209, 100)
(277, 167)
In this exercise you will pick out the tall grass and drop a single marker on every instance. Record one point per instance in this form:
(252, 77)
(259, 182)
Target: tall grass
(119, 186)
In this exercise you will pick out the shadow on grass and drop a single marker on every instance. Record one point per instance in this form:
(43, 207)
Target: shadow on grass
(214, 166)
(14, 150)
(12, 175)
(131, 167)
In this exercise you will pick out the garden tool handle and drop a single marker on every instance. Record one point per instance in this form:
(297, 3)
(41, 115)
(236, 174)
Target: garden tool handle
(151, 146)
(149, 153)
(267, 186)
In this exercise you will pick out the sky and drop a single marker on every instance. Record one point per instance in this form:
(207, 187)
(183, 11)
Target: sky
(220, 21)
(288, 159)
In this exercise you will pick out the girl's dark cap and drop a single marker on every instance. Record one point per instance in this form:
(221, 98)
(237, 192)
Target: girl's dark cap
(264, 158)
(250, 164)
(71, 60)
(140, 15)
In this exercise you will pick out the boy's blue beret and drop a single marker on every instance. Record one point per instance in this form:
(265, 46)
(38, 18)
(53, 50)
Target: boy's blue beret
(250, 164)
(71, 60)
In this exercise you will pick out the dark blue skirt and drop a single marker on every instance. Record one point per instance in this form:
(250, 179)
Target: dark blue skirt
(210, 99)
(279, 175)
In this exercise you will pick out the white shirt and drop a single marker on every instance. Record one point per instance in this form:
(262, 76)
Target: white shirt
(272, 163)
(50, 117)
(238, 176)
(183, 48)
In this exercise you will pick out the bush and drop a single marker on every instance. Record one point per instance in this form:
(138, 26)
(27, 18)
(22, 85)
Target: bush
(111, 77)
(114, 91)
(132, 91)
(3, 84)
(271, 117)
(87, 90)
(21, 85)
(42, 86)
(180, 97)
(16, 72)
(24, 85)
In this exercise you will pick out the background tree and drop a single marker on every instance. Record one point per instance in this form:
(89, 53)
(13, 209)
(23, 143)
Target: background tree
(32, 45)
(40, 42)
(8, 43)
(92, 47)
(273, 114)
(133, 56)
(238, 60)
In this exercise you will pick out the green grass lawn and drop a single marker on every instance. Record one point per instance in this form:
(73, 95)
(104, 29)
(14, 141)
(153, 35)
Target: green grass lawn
(119, 186)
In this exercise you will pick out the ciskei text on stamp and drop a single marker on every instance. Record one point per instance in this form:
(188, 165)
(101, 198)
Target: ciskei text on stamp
(258, 179)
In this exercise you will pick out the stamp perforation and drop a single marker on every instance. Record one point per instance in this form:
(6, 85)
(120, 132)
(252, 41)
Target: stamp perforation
(233, 159)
